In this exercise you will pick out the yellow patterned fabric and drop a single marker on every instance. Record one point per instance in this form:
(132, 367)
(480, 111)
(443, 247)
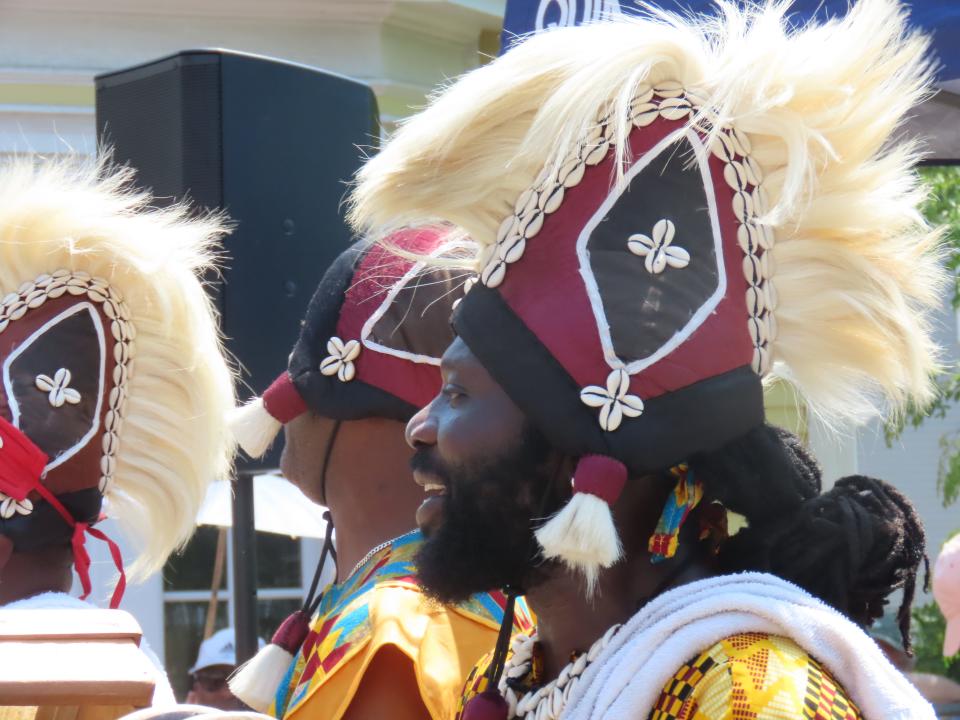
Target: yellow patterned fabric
(751, 676)
(754, 677)
(381, 605)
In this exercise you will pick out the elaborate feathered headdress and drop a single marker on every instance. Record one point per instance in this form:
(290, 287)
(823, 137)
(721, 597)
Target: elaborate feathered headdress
(668, 210)
(114, 383)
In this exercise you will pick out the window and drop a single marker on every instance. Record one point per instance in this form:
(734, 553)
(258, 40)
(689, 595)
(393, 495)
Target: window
(187, 594)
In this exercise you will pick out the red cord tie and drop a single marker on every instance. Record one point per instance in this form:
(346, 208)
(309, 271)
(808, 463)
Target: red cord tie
(81, 559)
(21, 465)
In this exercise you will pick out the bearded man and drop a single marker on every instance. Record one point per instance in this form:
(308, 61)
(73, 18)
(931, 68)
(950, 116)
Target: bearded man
(670, 211)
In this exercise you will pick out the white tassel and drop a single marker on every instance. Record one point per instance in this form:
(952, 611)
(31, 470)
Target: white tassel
(582, 535)
(256, 681)
(253, 427)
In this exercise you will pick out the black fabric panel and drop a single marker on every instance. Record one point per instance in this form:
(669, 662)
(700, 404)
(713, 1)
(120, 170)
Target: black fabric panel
(44, 527)
(326, 395)
(645, 310)
(354, 400)
(699, 418)
(418, 320)
(71, 344)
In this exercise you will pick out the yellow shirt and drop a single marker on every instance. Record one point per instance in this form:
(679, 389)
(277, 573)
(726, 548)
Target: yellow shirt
(380, 605)
(751, 676)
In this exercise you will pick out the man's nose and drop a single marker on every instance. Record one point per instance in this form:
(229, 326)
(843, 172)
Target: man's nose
(422, 429)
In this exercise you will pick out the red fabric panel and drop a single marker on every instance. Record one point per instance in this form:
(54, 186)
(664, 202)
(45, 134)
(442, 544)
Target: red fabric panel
(282, 399)
(378, 271)
(559, 311)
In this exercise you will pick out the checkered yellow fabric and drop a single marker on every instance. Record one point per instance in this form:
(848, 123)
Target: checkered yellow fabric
(754, 677)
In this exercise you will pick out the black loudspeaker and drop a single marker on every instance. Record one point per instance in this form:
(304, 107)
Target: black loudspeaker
(272, 143)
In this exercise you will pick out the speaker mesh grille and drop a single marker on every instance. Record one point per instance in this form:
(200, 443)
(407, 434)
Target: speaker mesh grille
(166, 124)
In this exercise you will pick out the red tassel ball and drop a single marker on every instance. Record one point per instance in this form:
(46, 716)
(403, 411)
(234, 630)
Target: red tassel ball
(601, 476)
(292, 632)
(488, 705)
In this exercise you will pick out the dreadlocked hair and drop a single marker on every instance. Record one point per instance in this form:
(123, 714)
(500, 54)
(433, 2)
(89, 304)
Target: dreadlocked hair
(851, 546)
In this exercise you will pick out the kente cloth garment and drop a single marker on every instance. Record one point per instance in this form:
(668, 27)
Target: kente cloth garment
(754, 676)
(381, 604)
(628, 677)
(680, 623)
(751, 676)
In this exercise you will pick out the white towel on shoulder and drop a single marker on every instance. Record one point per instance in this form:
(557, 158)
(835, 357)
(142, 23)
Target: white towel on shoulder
(627, 677)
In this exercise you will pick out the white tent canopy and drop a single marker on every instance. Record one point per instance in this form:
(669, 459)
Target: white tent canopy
(279, 507)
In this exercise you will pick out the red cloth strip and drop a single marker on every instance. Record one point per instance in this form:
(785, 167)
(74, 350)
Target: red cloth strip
(21, 462)
(282, 399)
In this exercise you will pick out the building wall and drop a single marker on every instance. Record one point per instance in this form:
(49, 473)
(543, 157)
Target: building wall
(51, 49)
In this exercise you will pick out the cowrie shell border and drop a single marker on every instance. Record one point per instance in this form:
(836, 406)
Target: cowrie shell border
(32, 295)
(673, 102)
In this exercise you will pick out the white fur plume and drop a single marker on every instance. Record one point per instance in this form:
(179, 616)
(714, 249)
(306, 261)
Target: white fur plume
(253, 427)
(256, 681)
(583, 536)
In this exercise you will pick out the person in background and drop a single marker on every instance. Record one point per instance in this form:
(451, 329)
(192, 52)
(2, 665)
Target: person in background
(216, 662)
(369, 645)
(946, 591)
(114, 380)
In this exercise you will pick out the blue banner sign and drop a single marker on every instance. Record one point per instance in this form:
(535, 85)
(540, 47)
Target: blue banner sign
(939, 17)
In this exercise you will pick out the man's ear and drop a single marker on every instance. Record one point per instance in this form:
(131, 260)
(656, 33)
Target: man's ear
(6, 550)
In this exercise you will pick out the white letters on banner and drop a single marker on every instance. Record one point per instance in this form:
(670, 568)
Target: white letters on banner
(574, 12)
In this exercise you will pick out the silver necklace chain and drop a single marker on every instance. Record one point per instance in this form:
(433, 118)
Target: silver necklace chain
(374, 551)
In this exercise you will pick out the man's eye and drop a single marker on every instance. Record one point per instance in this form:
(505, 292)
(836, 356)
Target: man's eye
(452, 393)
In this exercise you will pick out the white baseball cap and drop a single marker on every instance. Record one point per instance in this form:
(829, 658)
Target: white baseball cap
(946, 591)
(219, 649)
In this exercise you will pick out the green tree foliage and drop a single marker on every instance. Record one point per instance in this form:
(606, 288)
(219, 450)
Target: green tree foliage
(942, 208)
(928, 631)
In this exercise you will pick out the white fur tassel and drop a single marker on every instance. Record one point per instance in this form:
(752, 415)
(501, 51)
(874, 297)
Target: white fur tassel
(253, 427)
(583, 536)
(257, 680)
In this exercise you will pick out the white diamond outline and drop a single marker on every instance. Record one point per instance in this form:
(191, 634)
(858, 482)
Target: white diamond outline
(593, 290)
(8, 383)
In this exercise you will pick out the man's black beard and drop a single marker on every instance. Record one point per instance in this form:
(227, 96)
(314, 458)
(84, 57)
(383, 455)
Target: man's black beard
(486, 541)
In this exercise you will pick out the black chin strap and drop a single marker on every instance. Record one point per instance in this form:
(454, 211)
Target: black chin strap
(326, 460)
(312, 601)
(499, 659)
